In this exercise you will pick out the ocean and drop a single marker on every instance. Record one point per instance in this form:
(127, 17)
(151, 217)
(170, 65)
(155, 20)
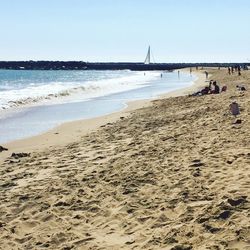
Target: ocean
(32, 102)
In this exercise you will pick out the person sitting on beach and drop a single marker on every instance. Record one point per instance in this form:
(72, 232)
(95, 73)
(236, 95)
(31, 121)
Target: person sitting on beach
(210, 85)
(216, 89)
(204, 91)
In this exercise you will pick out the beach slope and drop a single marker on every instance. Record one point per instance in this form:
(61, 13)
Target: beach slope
(173, 175)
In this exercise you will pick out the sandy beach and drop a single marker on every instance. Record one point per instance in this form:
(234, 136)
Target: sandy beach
(172, 173)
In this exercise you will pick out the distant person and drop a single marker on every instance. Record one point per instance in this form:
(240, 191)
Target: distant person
(206, 73)
(216, 88)
(161, 75)
(190, 71)
(239, 73)
(178, 74)
(229, 71)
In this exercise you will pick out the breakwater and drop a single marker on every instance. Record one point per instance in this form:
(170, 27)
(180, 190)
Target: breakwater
(80, 65)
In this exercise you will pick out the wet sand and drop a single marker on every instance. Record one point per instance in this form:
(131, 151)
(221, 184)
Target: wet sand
(171, 175)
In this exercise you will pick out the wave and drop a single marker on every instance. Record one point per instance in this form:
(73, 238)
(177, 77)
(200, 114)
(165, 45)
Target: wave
(73, 91)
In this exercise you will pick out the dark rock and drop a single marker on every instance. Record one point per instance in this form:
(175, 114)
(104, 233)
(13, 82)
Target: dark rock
(8, 184)
(170, 240)
(197, 174)
(78, 217)
(203, 219)
(20, 155)
(130, 211)
(197, 164)
(211, 229)
(196, 160)
(238, 121)
(61, 204)
(67, 248)
(3, 149)
(129, 242)
(182, 247)
(224, 215)
(24, 197)
(14, 161)
(45, 245)
(236, 202)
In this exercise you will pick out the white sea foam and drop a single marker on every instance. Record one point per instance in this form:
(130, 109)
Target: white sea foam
(71, 91)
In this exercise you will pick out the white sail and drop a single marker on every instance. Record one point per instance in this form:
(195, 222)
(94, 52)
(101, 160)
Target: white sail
(147, 59)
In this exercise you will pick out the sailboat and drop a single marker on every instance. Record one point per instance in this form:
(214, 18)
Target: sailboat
(147, 59)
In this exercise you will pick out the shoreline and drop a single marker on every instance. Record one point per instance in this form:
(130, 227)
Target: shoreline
(70, 131)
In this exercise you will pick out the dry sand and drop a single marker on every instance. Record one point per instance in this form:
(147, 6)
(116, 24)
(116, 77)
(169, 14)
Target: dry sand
(172, 175)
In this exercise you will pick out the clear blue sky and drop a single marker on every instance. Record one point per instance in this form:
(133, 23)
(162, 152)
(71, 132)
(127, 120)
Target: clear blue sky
(121, 30)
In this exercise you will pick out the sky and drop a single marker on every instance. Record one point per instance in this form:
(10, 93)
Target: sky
(122, 30)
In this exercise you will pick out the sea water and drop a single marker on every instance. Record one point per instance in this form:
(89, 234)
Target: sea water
(32, 102)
